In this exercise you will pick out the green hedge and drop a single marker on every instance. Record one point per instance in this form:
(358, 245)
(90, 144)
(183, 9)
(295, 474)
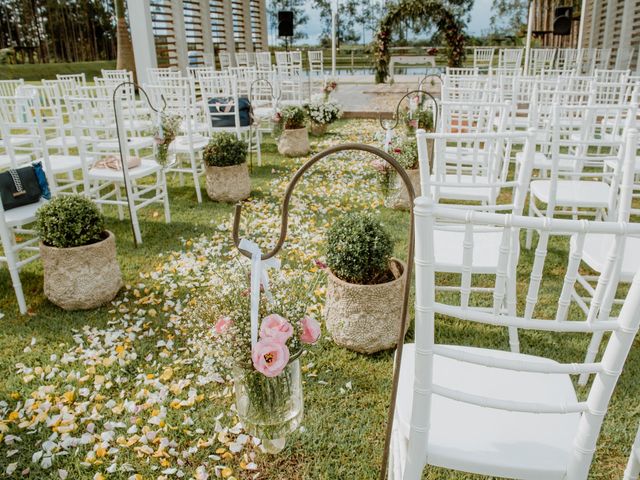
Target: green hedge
(39, 71)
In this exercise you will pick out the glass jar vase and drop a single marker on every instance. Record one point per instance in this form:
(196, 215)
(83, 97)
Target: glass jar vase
(270, 407)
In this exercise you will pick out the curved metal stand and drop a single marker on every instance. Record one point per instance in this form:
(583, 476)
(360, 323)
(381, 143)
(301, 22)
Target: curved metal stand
(274, 99)
(116, 116)
(424, 79)
(396, 116)
(405, 304)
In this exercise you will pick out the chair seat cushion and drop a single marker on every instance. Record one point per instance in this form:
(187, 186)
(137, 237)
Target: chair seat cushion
(488, 441)
(573, 193)
(596, 249)
(146, 167)
(542, 162)
(181, 143)
(22, 215)
(63, 163)
(135, 143)
(5, 160)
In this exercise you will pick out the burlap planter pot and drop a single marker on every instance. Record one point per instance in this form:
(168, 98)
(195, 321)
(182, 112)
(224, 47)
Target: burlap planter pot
(318, 130)
(398, 197)
(228, 184)
(365, 318)
(81, 278)
(294, 143)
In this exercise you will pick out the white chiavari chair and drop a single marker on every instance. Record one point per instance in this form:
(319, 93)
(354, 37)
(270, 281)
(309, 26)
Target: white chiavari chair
(157, 76)
(568, 59)
(498, 413)
(186, 149)
(473, 168)
(483, 59)
(580, 144)
(94, 124)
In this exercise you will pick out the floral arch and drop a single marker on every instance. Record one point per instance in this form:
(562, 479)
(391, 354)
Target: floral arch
(446, 20)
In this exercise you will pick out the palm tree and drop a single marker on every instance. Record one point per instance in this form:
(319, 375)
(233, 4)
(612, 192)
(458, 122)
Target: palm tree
(125, 59)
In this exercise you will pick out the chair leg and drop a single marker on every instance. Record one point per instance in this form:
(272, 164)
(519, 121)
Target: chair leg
(7, 245)
(529, 234)
(632, 472)
(196, 178)
(165, 197)
(119, 199)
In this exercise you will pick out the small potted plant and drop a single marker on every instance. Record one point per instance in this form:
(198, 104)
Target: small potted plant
(365, 285)
(226, 168)
(293, 140)
(267, 378)
(397, 196)
(321, 115)
(81, 270)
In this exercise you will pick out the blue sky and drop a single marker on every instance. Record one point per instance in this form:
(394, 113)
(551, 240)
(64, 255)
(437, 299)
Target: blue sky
(479, 20)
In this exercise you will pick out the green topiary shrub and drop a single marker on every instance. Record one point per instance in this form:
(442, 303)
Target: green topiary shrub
(225, 150)
(69, 221)
(359, 249)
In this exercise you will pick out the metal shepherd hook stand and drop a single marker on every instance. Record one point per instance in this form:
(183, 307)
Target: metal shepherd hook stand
(117, 111)
(405, 304)
(396, 116)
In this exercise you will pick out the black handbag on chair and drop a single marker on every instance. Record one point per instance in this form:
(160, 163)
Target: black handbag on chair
(19, 187)
(221, 110)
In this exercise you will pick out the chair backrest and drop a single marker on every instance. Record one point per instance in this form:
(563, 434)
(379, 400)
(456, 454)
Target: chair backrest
(263, 61)
(225, 60)
(221, 107)
(483, 58)
(316, 60)
(559, 279)
(8, 87)
(473, 117)
(160, 75)
(541, 59)
(121, 75)
(215, 84)
(568, 59)
(510, 58)
(474, 168)
(71, 84)
(21, 117)
(464, 88)
(242, 59)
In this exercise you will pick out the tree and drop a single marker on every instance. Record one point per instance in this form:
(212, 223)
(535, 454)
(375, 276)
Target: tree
(367, 17)
(300, 18)
(346, 20)
(509, 16)
(125, 59)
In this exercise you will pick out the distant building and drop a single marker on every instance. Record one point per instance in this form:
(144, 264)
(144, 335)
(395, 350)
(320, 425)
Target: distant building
(189, 33)
(613, 24)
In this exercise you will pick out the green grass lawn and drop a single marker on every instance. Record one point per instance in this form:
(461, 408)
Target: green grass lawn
(145, 350)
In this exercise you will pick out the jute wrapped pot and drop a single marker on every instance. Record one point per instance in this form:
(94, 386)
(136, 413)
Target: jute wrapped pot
(318, 129)
(365, 318)
(294, 143)
(398, 197)
(228, 184)
(81, 278)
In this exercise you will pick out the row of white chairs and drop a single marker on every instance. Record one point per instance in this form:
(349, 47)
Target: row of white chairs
(579, 60)
(502, 413)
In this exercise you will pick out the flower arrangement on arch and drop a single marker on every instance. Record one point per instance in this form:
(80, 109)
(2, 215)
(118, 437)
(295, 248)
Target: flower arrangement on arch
(165, 133)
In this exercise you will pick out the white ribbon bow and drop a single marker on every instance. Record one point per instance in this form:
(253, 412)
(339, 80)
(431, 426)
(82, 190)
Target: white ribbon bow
(387, 139)
(258, 275)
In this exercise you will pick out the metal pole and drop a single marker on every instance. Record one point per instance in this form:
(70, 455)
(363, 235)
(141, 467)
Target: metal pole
(334, 19)
(529, 33)
(583, 17)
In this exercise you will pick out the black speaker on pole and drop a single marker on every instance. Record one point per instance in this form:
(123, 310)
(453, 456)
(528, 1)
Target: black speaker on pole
(285, 24)
(563, 20)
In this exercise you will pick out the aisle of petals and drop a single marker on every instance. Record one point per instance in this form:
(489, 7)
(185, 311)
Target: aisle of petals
(142, 398)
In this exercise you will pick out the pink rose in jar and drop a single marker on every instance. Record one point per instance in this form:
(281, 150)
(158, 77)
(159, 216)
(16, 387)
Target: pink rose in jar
(276, 328)
(310, 330)
(270, 357)
(222, 325)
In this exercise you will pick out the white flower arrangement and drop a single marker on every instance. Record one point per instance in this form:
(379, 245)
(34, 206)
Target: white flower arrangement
(322, 113)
